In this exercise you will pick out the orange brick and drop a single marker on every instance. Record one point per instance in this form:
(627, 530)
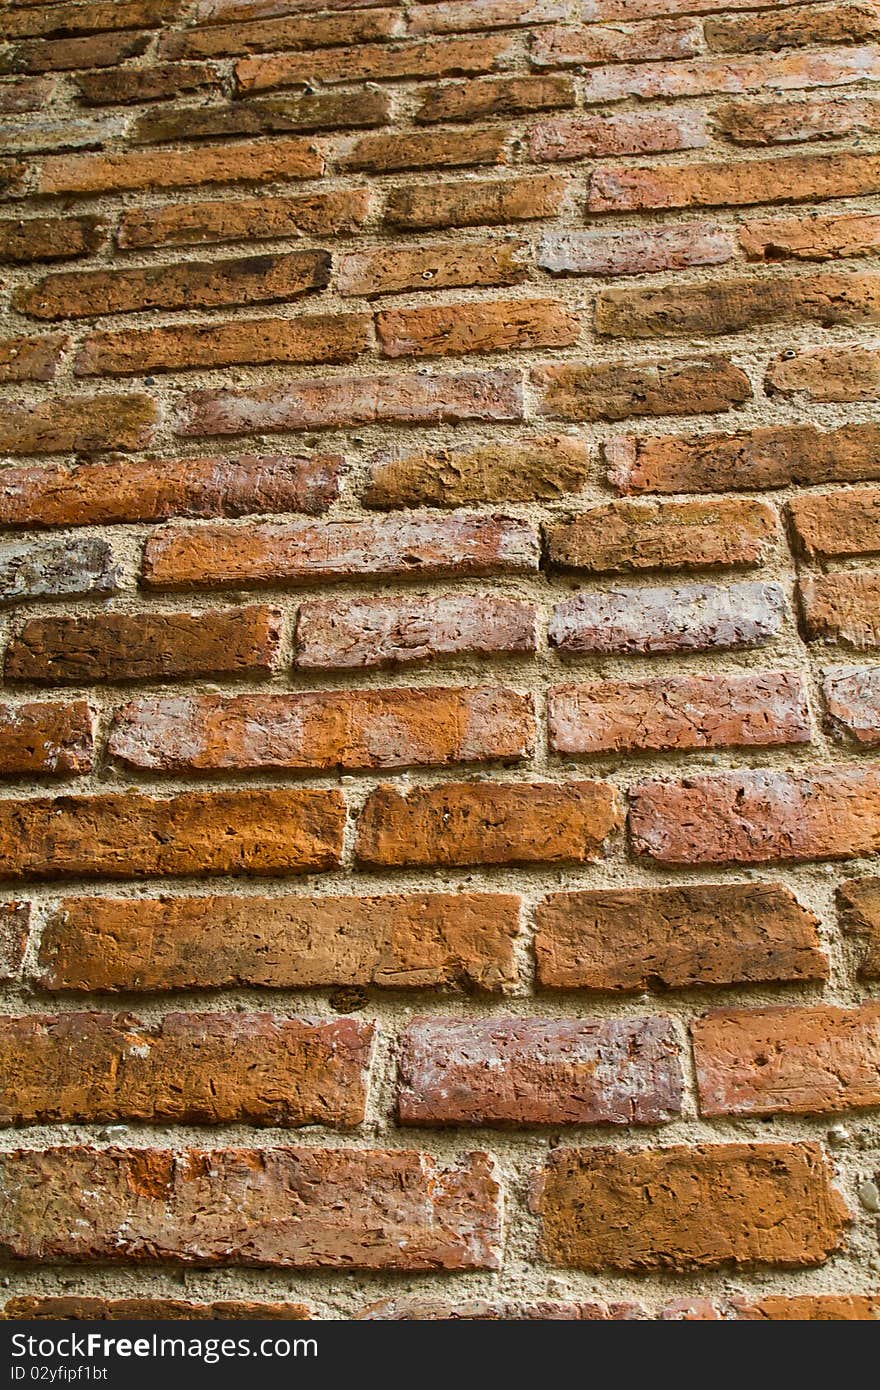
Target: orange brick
(848, 373)
(371, 62)
(15, 919)
(79, 424)
(494, 96)
(474, 204)
(46, 739)
(593, 136)
(390, 269)
(842, 608)
(858, 901)
(244, 219)
(31, 359)
(776, 122)
(276, 35)
(455, 329)
(426, 149)
(621, 390)
(796, 27)
(624, 536)
(587, 45)
(259, 161)
(813, 238)
(837, 523)
(24, 239)
(88, 1309)
(541, 469)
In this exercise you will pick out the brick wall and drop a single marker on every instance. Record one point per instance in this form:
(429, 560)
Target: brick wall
(441, 611)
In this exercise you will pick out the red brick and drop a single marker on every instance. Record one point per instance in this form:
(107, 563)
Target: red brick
(858, 902)
(64, 55)
(494, 96)
(694, 617)
(582, 46)
(337, 634)
(846, 373)
(640, 9)
(155, 489)
(793, 28)
(770, 1204)
(385, 62)
(73, 567)
(427, 149)
(539, 1071)
(276, 35)
(79, 424)
(734, 306)
(842, 608)
(14, 934)
(410, 941)
(272, 116)
(31, 359)
(768, 457)
(303, 552)
(487, 823)
(415, 399)
(49, 238)
(432, 1310)
(635, 252)
(323, 730)
(832, 67)
(852, 703)
(245, 219)
(788, 179)
(188, 1068)
(66, 19)
(800, 1061)
(188, 284)
(759, 817)
(632, 132)
(810, 1308)
(157, 82)
(88, 1309)
(623, 390)
(53, 739)
(811, 237)
(458, 15)
(129, 835)
(527, 470)
(145, 646)
(257, 161)
(233, 11)
(392, 268)
(837, 523)
(679, 713)
(453, 329)
(282, 1208)
(624, 536)
(474, 204)
(683, 937)
(776, 122)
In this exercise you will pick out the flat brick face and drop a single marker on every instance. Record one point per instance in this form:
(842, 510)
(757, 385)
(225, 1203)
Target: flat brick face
(439, 676)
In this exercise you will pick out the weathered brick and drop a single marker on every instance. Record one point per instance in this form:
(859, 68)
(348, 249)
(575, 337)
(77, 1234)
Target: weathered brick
(852, 703)
(842, 608)
(79, 424)
(390, 269)
(12, 177)
(65, 55)
(846, 373)
(233, 11)
(319, 338)
(694, 617)
(271, 116)
(811, 238)
(486, 823)
(544, 1310)
(758, 817)
(776, 122)
(427, 149)
(622, 390)
(257, 161)
(49, 238)
(156, 489)
(67, 20)
(129, 835)
(31, 359)
(683, 937)
(374, 62)
(189, 1068)
(802, 1061)
(282, 1208)
(453, 329)
(734, 306)
(458, 15)
(338, 634)
(303, 552)
(832, 67)
(788, 179)
(858, 902)
(475, 204)
(523, 470)
(582, 46)
(539, 1071)
(340, 213)
(276, 35)
(632, 132)
(793, 28)
(46, 133)
(770, 1204)
(80, 566)
(157, 82)
(15, 919)
(846, 522)
(145, 646)
(28, 94)
(495, 96)
(771, 456)
(623, 536)
(416, 399)
(323, 730)
(51, 738)
(188, 284)
(635, 252)
(411, 941)
(77, 1308)
(810, 1308)
(680, 712)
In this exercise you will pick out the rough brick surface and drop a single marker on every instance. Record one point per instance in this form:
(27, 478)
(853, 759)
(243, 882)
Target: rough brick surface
(46, 738)
(859, 904)
(527, 470)
(86, 1309)
(628, 536)
(618, 391)
(691, 618)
